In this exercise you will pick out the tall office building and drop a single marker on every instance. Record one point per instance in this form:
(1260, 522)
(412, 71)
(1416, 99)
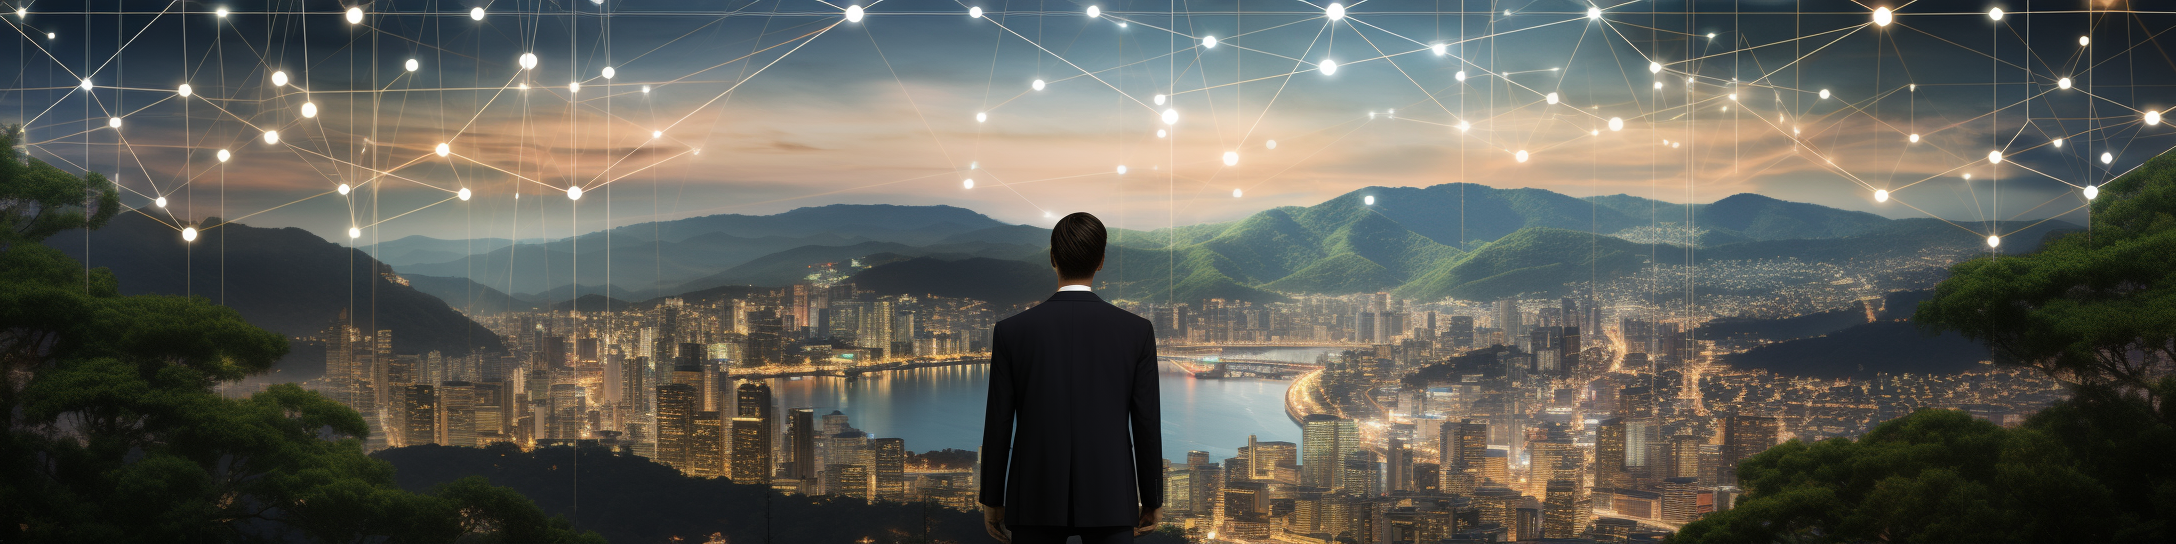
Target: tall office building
(675, 425)
(1265, 458)
(1678, 496)
(889, 473)
(800, 447)
(1744, 436)
(1324, 443)
(1398, 466)
(569, 411)
(457, 414)
(1564, 510)
(1609, 455)
(421, 409)
(1550, 459)
(752, 430)
(1361, 473)
(706, 446)
(1684, 457)
(1644, 450)
(1507, 318)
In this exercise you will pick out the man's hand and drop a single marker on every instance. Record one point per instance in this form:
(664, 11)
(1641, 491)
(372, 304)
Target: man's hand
(993, 520)
(1149, 519)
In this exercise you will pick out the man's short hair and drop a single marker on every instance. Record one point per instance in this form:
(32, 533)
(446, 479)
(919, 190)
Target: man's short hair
(1076, 246)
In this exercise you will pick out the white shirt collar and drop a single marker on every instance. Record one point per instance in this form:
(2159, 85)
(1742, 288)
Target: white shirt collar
(1073, 288)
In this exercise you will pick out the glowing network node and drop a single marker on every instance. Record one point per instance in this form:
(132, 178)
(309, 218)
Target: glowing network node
(1231, 158)
(2153, 118)
(224, 155)
(1994, 241)
(853, 14)
(463, 194)
(1968, 177)
(1335, 12)
(1328, 67)
(969, 183)
(981, 117)
(1272, 144)
(1368, 200)
(271, 136)
(160, 202)
(1711, 35)
(523, 86)
(974, 12)
(309, 109)
(185, 90)
(1162, 133)
(1236, 193)
(1160, 99)
(355, 16)
(1995, 13)
(1733, 97)
(188, 234)
(528, 61)
(52, 36)
(574, 87)
(1824, 94)
(1594, 133)
(2058, 142)
(655, 134)
(443, 150)
(1616, 124)
(1170, 117)
(1654, 67)
(86, 85)
(1658, 84)
(1881, 195)
(1994, 157)
(343, 188)
(1882, 16)
(971, 165)
(1594, 13)
(645, 89)
(25, 12)
(1121, 169)
(1551, 98)
(1094, 12)
(1440, 49)
(609, 72)
(574, 192)
(1037, 84)
(354, 233)
(222, 12)
(476, 14)
(2091, 192)
(1464, 126)
(2063, 83)
(1914, 138)
(113, 122)
(279, 78)
(2085, 41)
(1461, 75)
(1208, 42)
(1521, 155)
(2106, 157)
(1913, 87)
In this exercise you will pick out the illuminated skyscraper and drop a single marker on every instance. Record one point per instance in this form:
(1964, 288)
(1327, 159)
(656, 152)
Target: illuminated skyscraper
(1324, 441)
(457, 414)
(890, 471)
(1609, 455)
(569, 411)
(706, 446)
(1744, 436)
(1678, 496)
(801, 444)
(421, 409)
(1564, 510)
(1459, 449)
(752, 430)
(675, 425)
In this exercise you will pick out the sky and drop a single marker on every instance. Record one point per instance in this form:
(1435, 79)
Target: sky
(761, 107)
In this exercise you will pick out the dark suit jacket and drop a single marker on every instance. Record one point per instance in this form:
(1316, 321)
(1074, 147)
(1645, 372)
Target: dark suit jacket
(1078, 375)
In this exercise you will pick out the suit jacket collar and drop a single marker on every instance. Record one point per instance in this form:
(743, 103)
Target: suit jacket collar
(1075, 296)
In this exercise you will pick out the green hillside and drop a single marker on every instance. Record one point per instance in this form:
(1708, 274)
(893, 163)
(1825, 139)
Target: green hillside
(1537, 261)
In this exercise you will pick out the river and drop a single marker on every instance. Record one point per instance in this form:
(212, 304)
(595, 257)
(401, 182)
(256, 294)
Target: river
(942, 407)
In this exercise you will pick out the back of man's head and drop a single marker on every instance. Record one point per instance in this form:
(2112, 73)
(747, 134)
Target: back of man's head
(1076, 246)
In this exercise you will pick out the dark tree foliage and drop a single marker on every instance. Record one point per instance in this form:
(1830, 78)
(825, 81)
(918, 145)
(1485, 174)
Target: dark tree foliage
(111, 431)
(2095, 309)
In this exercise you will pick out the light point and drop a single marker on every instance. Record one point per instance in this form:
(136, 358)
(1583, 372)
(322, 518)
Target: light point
(463, 194)
(1551, 98)
(969, 183)
(1616, 124)
(355, 16)
(853, 14)
(1594, 132)
(2106, 157)
(476, 14)
(2063, 83)
(974, 12)
(1231, 158)
(1461, 75)
(1367, 200)
(2058, 142)
(185, 90)
(1994, 157)
(1160, 133)
(574, 192)
(271, 136)
(1824, 94)
(1913, 87)
(221, 13)
(1236, 193)
(645, 89)
(609, 72)
(2085, 41)
(224, 155)
(1881, 195)
(1994, 241)
(1914, 138)
(1594, 13)
(1654, 67)
(86, 85)
(1464, 126)
(523, 86)
(113, 122)
(528, 61)
(1521, 155)
(1328, 67)
(52, 36)
(1995, 14)
(574, 87)
(1037, 84)
(1336, 11)
(1711, 35)
(354, 233)
(443, 150)
(344, 188)
(1160, 99)
(1208, 42)
(279, 78)
(188, 234)
(2091, 192)
(1094, 12)
(971, 165)
(412, 65)
(1733, 97)
(1171, 116)
(1272, 144)
(25, 12)
(309, 110)
(1968, 177)
(1121, 169)
(655, 134)
(1658, 84)
(160, 202)
(1882, 16)
(1440, 49)
(2153, 118)
(981, 117)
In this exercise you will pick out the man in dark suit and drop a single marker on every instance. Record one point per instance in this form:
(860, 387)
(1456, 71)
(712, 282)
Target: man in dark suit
(1079, 377)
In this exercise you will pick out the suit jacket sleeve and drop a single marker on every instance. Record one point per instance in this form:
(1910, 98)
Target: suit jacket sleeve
(997, 423)
(1147, 414)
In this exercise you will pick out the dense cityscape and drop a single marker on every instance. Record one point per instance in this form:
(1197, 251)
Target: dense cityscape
(1424, 421)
